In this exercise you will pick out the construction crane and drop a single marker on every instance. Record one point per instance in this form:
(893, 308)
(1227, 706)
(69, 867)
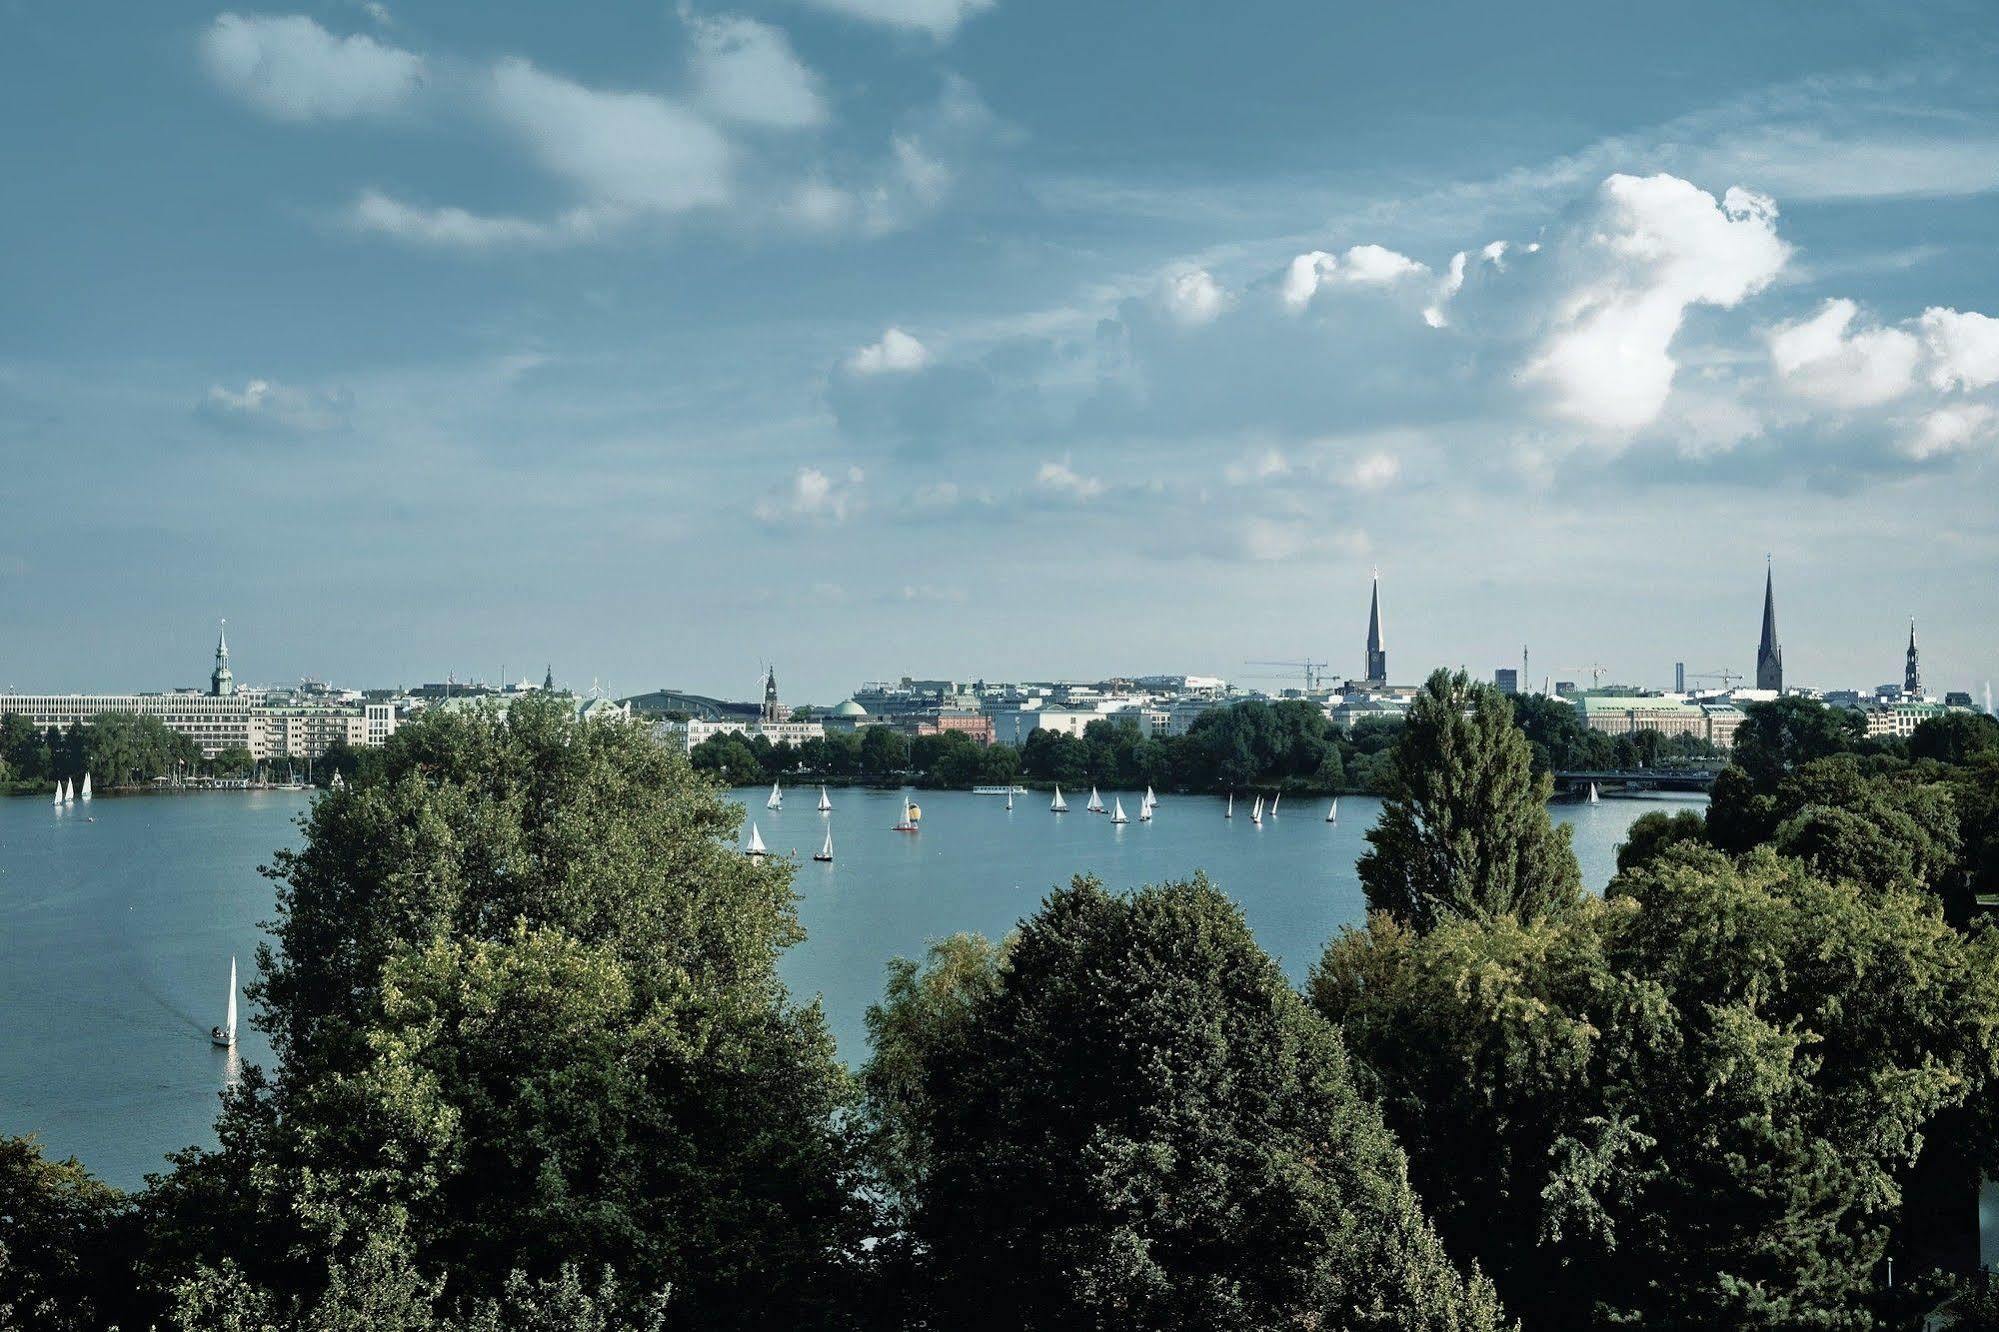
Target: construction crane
(1309, 667)
(1727, 678)
(1596, 672)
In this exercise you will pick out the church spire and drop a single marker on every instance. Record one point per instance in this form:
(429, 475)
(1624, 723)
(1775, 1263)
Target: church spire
(1912, 670)
(1377, 655)
(221, 683)
(1769, 653)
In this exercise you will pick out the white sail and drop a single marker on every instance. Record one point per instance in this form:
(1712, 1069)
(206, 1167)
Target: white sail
(1009, 802)
(1273, 801)
(826, 851)
(776, 798)
(58, 796)
(756, 846)
(825, 803)
(229, 1025)
(1150, 799)
(1333, 811)
(1058, 805)
(1256, 811)
(1145, 813)
(1096, 805)
(1117, 815)
(85, 793)
(1592, 793)
(1229, 813)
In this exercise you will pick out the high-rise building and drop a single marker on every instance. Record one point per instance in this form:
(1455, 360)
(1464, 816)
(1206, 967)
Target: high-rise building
(1679, 677)
(1506, 680)
(1377, 655)
(1769, 655)
(1912, 670)
(221, 684)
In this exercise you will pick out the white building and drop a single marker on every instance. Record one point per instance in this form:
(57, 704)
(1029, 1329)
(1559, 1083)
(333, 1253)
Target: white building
(773, 723)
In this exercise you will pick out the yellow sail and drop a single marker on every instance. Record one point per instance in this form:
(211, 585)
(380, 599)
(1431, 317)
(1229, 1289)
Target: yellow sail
(916, 813)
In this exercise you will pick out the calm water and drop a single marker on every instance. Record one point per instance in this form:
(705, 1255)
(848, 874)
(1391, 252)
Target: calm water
(117, 921)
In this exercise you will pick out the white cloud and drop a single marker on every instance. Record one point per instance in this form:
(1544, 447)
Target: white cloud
(1648, 249)
(895, 354)
(939, 18)
(1963, 346)
(290, 68)
(626, 153)
(1193, 297)
(746, 71)
(1264, 465)
(1373, 471)
(1361, 266)
(1821, 359)
(264, 404)
(1059, 478)
(1950, 429)
(386, 215)
(814, 496)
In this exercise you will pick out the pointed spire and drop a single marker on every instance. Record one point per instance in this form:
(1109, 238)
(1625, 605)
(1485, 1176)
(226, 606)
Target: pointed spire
(220, 681)
(548, 680)
(1912, 670)
(1377, 655)
(1769, 653)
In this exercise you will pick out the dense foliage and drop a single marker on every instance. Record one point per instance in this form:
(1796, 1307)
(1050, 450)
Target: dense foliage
(1130, 1120)
(116, 749)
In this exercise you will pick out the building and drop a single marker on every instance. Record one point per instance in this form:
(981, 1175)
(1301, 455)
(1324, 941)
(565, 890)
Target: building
(847, 715)
(1377, 654)
(1769, 653)
(298, 724)
(1014, 725)
(977, 725)
(1506, 680)
(1668, 714)
(1912, 669)
(1901, 719)
(1679, 677)
(772, 722)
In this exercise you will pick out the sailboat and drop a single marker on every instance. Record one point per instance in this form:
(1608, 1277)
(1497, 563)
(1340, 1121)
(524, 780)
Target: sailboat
(755, 849)
(1058, 805)
(1256, 812)
(912, 817)
(1333, 811)
(1009, 801)
(825, 855)
(1118, 815)
(1150, 799)
(58, 796)
(1096, 805)
(825, 804)
(1592, 793)
(1145, 813)
(85, 793)
(776, 800)
(1229, 813)
(225, 1035)
(1273, 803)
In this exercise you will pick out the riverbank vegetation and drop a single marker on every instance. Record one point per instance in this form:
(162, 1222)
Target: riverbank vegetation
(536, 1070)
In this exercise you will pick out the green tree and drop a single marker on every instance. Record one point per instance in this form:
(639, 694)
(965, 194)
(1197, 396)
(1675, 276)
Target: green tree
(525, 1000)
(1132, 1121)
(1779, 735)
(1687, 1105)
(1464, 830)
(1955, 738)
(234, 761)
(63, 1243)
(1650, 834)
(884, 752)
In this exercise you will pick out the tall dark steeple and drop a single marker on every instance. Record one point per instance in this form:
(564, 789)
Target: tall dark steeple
(1912, 671)
(1377, 655)
(1769, 655)
(221, 683)
(773, 711)
(548, 680)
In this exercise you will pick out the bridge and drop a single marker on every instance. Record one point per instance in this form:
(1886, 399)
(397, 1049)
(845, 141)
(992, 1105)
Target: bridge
(1611, 780)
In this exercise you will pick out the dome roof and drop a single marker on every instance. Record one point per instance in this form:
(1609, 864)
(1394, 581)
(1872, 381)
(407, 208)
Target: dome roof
(850, 709)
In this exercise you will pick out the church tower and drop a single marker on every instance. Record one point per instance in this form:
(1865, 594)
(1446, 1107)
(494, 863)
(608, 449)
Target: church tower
(221, 683)
(772, 712)
(1769, 655)
(1377, 655)
(1912, 670)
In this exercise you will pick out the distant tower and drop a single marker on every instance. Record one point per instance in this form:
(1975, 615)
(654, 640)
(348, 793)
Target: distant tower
(1912, 671)
(1679, 677)
(772, 712)
(548, 680)
(1377, 655)
(222, 684)
(1769, 656)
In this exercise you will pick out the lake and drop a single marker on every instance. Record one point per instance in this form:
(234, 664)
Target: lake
(118, 919)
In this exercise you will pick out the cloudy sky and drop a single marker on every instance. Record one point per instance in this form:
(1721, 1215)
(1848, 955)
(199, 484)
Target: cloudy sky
(1001, 337)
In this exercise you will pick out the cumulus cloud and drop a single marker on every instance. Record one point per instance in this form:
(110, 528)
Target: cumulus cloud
(1362, 266)
(384, 214)
(897, 353)
(1823, 358)
(746, 71)
(1963, 348)
(813, 496)
(1647, 250)
(938, 18)
(290, 68)
(1062, 480)
(1193, 297)
(1951, 429)
(265, 405)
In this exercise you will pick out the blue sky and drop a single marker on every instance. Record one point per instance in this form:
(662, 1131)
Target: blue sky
(962, 337)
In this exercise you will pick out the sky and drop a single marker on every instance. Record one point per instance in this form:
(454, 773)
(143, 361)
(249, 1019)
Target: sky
(994, 339)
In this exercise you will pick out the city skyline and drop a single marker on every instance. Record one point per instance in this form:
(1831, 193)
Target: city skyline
(965, 336)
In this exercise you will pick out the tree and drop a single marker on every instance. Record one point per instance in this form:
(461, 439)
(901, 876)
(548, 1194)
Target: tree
(63, 1243)
(884, 752)
(1779, 735)
(1955, 738)
(1465, 828)
(526, 1006)
(1651, 834)
(234, 761)
(1131, 1121)
(24, 748)
(1686, 1105)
